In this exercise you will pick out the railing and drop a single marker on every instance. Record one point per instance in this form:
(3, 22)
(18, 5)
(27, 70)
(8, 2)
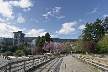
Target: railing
(24, 65)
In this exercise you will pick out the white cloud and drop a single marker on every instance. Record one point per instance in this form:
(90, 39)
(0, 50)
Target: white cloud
(38, 32)
(36, 21)
(67, 28)
(7, 30)
(94, 10)
(105, 15)
(47, 14)
(35, 33)
(53, 12)
(31, 19)
(21, 19)
(28, 9)
(22, 3)
(53, 36)
(80, 20)
(56, 10)
(60, 17)
(2, 20)
(19, 14)
(6, 7)
(81, 26)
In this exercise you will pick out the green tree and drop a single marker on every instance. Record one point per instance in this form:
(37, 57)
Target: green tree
(40, 42)
(37, 41)
(98, 30)
(103, 44)
(105, 25)
(39, 45)
(87, 32)
(21, 46)
(78, 45)
(66, 48)
(93, 31)
(26, 52)
(47, 37)
(13, 48)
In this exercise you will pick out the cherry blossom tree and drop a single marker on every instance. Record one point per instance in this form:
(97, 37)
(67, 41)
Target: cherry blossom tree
(48, 46)
(58, 46)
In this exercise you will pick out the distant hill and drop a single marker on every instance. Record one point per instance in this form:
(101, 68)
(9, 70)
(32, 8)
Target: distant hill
(63, 40)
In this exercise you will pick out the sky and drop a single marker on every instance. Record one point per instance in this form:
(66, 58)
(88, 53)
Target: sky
(63, 19)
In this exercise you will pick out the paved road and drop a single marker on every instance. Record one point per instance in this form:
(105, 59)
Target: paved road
(65, 64)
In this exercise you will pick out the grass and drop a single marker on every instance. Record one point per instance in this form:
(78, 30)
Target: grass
(1, 53)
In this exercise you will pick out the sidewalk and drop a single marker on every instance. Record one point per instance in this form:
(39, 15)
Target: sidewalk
(65, 64)
(71, 64)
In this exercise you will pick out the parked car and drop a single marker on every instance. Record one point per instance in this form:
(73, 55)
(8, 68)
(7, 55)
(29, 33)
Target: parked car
(48, 54)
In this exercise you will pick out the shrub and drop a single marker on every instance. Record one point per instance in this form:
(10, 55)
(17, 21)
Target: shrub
(8, 53)
(19, 53)
(102, 55)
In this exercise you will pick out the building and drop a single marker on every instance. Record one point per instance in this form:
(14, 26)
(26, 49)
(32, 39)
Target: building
(1, 48)
(30, 42)
(1, 41)
(18, 38)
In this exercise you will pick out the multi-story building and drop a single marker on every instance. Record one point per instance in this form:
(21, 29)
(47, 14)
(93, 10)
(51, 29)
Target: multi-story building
(18, 38)
(30, 42)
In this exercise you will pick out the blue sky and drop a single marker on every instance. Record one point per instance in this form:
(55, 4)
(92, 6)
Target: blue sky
(61, 18)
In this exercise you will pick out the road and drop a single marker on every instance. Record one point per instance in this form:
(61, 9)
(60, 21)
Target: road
(65, 64)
